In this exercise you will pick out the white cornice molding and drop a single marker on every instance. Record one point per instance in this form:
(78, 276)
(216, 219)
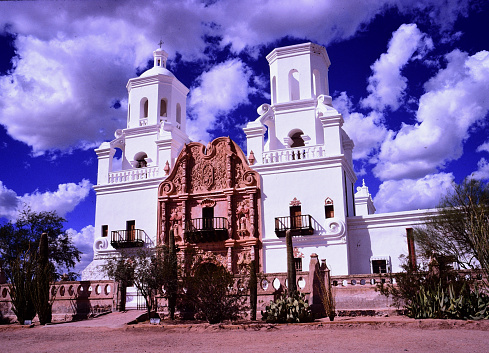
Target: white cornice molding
(298, 49)
(157, 79)
(128, 186)
(391, 219)
(298, 105)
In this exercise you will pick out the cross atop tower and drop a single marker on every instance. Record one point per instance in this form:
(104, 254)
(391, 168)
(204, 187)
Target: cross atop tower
(161, 43)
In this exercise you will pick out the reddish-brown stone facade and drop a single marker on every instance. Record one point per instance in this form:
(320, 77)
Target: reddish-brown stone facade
(211, 200)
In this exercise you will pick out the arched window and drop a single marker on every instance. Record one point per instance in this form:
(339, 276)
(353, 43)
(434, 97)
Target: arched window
(179, 114)
(274, 90)
(140, 159)
(294, 87)
(163, 107)
(144, 109)
(297, 140)
(316, 81)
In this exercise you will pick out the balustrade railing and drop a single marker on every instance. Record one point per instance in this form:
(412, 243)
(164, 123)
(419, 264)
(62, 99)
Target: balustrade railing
(133, 174)
(200, 230)
(298, 225)
(127, 238)
(293, 154)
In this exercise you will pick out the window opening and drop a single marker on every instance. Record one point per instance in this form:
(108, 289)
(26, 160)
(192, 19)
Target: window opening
(163, 107)
(131, 230)
(145, 113)
(140, 159)
(179, 113)
(379, 266)
(329, 211)
(297, 140)
(274, 90)
(298, 263)
(105, 230)
(316, 82)
(294, 87)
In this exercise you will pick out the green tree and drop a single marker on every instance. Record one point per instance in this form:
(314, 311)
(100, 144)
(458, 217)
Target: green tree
(23, 235)
(121, 270)
(20, 285)
(209, 289)
(145, 269)
(460, 229)
(30, 269)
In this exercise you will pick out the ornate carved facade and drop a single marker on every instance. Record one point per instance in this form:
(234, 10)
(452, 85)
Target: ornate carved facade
(210, 199)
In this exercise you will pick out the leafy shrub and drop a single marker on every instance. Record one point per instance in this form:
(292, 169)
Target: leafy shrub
(293, 308)
(210, 293)
(449, 303)
(437, 294)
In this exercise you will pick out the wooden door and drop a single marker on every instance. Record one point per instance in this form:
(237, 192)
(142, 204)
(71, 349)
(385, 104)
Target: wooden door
(208, 217)
(295, 217)
(131, 230)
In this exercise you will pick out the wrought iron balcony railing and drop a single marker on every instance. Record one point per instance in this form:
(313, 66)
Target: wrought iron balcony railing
(127, 238)
(205, 230)
(298, 225)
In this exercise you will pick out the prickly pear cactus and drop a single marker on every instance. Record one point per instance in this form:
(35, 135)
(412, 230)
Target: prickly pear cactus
(293, 308)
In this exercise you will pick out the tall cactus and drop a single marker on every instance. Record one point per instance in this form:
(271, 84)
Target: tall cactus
(253, 289)
(42, 279)
(173, 273)
(291, 277)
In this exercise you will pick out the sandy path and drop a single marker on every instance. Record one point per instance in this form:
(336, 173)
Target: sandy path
(367, 336)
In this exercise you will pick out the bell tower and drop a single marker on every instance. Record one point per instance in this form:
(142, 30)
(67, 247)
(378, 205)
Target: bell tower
(306, 163)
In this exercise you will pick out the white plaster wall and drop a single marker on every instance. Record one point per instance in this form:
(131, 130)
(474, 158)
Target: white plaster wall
(335, 255)
(381, 235)
(142, 143)
(303, 119)
(136, 203)
(311, 185)
(135, 97)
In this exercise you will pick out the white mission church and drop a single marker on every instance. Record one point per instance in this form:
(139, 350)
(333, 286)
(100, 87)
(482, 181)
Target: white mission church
(237, 206)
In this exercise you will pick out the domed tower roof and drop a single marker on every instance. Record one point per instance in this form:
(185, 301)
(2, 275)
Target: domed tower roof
(159, 68)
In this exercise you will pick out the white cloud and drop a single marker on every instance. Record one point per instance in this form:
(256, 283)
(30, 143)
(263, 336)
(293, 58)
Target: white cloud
(9, 202)
(221, 90)
(63, 200)
(83, 241)
(72, 67)
(455, 100)
(483, 147)
(387, 85)
(482, 172)
(408, 194)
(367, 131)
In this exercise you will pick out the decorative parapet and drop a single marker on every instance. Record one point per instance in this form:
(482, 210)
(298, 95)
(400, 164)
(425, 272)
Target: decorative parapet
(123, 176)
(293, 154)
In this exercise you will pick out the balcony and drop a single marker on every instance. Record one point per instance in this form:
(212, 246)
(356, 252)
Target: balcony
(121, 239)
(298, 225)
(206, 230)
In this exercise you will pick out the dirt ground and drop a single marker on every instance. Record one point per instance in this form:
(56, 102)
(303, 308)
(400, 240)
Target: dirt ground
(345, 335)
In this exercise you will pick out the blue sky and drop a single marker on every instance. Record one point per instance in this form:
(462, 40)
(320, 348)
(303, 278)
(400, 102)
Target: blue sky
(410, 77)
